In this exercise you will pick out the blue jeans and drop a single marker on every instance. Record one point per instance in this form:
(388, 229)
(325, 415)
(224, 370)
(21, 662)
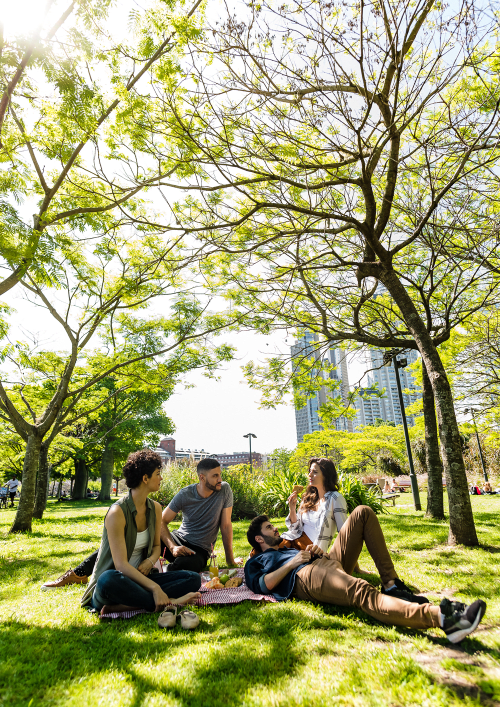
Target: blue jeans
(113, 587)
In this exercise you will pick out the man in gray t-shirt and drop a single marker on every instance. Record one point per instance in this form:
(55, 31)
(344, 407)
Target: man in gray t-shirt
(206, 507)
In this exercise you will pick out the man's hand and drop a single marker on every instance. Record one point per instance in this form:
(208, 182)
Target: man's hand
(161, 599)
(181, 551)
(300, 558)
(145, 567)
(315, 550)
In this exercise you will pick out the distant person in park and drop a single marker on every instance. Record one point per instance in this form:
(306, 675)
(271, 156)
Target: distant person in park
(387, 487)
(322, 511)
(475, 490)
(206, 507)
(313, 575)
(124, 575)
(488, 489)
(394, 486)
(12, 485)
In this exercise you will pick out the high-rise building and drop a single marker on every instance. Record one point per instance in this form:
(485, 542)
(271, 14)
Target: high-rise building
(306, 417)
(371, 407)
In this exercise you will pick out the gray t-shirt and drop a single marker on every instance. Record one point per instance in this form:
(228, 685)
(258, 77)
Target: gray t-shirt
(200, 516)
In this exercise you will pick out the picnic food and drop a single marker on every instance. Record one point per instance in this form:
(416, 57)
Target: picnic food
(224, 578)
(234, 582)
(297, 488)
(214, 584)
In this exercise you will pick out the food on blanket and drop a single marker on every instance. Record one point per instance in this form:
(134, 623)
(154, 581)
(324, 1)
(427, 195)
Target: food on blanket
(298, 488)
(214, 584)
(231, 573)
(234, 582)
(224, 578)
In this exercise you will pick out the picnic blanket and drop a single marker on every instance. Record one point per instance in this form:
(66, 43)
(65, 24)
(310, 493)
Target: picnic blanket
(233, 595)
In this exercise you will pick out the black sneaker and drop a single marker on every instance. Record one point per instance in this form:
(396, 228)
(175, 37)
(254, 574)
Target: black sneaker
(459, 619)
(402, 591)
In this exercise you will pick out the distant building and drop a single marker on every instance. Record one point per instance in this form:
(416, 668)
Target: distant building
(169, 453)
(387, 408)
(226, 460)
(306, 417)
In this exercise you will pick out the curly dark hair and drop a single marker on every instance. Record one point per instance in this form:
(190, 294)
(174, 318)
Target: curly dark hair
(310, 497)
(145, 461)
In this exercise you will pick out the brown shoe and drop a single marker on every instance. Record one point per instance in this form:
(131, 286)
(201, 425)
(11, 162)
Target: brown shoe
(68, 577)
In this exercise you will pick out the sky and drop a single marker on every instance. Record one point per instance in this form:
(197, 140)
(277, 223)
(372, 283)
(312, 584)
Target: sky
(215, 414)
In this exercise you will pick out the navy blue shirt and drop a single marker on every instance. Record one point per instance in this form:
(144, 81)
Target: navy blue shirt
(269, 561)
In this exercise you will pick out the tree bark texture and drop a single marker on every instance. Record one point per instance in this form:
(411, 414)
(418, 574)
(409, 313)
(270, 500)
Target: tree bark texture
(81, 480)
(24, 514)
(107, 465)
(42, 482)
(435, 506)
(462, 528)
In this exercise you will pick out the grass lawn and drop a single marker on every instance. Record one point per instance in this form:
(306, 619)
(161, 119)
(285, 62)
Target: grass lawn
(293, 653)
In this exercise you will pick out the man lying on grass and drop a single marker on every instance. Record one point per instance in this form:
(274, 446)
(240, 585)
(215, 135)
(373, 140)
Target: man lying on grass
(314, 575)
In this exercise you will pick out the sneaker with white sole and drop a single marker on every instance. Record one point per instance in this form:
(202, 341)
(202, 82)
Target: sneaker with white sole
(461, 620)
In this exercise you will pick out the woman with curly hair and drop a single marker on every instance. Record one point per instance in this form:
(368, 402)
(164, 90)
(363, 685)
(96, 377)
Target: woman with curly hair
(124, 575)
(322, 510)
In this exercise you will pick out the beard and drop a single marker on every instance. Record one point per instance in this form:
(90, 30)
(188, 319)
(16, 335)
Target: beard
(272, 540)
(213, 488)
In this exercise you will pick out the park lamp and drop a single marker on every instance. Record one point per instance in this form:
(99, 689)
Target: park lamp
(249, 437)
(401, 362)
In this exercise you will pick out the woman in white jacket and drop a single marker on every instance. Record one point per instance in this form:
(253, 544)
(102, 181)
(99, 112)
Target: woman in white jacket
(322, 511)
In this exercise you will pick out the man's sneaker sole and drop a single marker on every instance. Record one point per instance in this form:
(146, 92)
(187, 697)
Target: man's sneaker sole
(458, 636)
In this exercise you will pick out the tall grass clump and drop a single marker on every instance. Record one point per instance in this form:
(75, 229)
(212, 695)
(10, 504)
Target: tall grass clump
(175, 477)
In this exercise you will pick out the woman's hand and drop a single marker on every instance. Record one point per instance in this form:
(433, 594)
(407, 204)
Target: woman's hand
(292, 500)
(145, 567)
(161, 599)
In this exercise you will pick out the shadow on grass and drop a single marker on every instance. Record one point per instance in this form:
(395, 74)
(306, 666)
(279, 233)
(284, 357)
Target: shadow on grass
(236, 650)
(41, 663)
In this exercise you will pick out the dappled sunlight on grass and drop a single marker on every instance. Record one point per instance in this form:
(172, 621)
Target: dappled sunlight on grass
(293, 653)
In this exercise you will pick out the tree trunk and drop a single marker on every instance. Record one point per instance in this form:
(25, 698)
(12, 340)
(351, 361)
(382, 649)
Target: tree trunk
(24, 514)
(462, 528)
(107, 465)
(435, 508)
(81, 480)
(42, 482)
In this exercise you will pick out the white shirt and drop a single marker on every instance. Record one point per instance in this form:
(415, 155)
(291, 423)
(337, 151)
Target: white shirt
(141, 542)
(311, 523)
(12, 485)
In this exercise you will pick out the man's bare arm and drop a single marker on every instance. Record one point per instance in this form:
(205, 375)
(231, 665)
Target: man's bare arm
(226, 530)
(176, 550)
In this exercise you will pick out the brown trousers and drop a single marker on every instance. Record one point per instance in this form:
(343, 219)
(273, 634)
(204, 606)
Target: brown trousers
(328, 579)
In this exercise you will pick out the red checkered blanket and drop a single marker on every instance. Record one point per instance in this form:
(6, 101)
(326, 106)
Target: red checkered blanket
(232, 595)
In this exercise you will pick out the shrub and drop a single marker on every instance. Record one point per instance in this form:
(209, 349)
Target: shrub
(246, 490)
(356, 494)
(276, 488)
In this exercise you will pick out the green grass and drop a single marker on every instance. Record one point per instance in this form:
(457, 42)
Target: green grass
(293, 653)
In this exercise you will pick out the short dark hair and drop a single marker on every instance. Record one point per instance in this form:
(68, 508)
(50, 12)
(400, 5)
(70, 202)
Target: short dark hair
(254, 529)
(207, 464)
(138, 464)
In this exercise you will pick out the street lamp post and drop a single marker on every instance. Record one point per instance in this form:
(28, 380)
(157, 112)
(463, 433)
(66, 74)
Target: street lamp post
(250, 435)
(402, 363)
(483, 464)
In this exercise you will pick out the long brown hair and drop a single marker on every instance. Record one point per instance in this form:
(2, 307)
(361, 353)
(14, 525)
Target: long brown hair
(330, 482)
